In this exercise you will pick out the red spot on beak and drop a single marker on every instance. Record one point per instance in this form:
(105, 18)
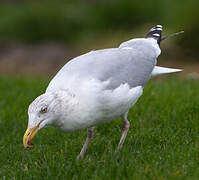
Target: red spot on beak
(29, 143)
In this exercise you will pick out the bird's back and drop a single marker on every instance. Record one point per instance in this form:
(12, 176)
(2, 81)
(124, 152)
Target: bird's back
(132, 65)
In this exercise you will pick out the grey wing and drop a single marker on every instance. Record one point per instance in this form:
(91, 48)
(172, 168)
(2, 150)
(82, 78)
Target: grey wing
(118, 66)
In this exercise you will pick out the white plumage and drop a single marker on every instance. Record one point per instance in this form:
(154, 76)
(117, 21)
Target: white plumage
(97, 87)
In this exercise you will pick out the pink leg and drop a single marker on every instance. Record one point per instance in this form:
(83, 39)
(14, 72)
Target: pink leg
(126, 126)
(88, 139)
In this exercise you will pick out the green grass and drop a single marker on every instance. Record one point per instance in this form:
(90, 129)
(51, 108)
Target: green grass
(162, 143)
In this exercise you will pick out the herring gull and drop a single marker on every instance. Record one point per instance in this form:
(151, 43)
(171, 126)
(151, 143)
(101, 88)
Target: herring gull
(97, 87)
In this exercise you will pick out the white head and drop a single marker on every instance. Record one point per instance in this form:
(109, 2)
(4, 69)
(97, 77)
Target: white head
(44, 110)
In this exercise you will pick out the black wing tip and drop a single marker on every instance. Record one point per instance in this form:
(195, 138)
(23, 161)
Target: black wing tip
(156, 33)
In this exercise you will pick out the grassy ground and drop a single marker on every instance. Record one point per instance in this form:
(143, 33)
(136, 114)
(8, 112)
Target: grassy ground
(163, 141)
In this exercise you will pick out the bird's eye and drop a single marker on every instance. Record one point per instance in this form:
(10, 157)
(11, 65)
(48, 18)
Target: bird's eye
(43, 110)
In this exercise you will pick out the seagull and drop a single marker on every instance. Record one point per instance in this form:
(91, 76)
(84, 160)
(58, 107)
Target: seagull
(96, 87)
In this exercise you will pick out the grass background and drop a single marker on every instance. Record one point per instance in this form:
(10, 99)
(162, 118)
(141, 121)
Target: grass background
(77, 23)
(162, 143)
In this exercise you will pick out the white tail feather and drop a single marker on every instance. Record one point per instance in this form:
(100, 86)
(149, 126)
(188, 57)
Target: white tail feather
(162, 70)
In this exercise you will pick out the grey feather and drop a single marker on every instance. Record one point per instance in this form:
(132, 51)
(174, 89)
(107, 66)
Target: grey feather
(117, 65)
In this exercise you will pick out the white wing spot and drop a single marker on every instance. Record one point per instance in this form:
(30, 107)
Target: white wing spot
(159, 29)
(156, 34)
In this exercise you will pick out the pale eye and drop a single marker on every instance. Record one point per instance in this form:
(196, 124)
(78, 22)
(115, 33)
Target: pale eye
(43, 110)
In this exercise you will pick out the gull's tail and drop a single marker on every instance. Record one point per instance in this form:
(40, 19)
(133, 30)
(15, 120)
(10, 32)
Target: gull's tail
(162, 70)
(156, 33)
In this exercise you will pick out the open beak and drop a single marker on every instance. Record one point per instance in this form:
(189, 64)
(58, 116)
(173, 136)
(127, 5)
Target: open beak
(29, 135)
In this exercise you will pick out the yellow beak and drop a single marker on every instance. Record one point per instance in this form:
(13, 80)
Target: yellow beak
(29, 135)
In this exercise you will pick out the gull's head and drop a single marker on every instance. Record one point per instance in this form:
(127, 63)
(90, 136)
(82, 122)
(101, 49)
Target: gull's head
(42, 112)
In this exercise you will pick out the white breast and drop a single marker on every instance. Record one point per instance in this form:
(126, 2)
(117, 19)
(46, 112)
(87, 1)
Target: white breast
(97, 105)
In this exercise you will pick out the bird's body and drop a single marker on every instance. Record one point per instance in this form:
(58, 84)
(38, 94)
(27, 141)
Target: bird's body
(106, 85)
(97, 87)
